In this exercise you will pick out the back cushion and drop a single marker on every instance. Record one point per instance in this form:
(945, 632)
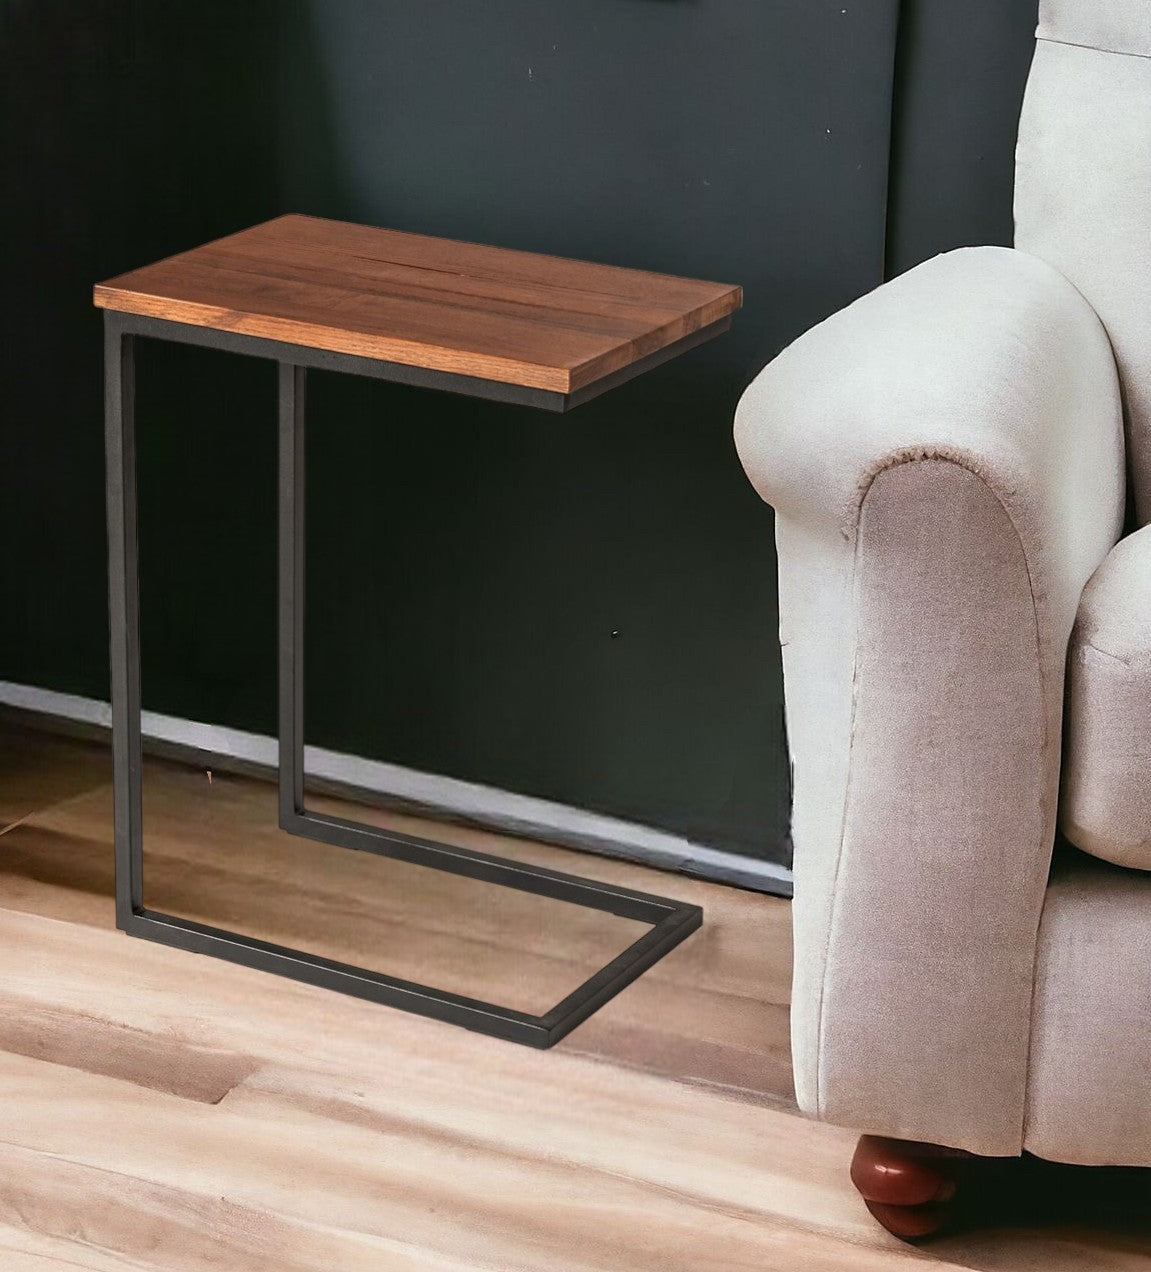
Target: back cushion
(1083, 183)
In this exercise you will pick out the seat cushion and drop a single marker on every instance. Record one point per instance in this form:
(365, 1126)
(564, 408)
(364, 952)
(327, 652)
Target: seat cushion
(1106, 795)
(1088, 1088)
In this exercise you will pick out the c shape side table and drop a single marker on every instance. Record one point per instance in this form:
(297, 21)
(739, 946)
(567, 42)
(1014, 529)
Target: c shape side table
(481, 321)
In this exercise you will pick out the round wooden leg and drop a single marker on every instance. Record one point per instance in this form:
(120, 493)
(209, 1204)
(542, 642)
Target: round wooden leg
(909, 1187)
(916, 1190)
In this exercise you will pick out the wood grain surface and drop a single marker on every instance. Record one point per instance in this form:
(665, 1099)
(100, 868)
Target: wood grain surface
(165, 1110)
(517, 317)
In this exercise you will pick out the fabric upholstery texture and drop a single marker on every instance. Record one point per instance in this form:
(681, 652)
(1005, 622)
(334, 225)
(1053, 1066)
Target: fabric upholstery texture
(945, 458)
(1083, 184)
(1119, 26)
(1090, 1084)
(1106, 800)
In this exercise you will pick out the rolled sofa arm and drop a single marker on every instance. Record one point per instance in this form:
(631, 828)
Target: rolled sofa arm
(945, 458)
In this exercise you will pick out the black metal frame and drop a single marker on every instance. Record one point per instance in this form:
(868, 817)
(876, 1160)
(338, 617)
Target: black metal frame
(671, 921)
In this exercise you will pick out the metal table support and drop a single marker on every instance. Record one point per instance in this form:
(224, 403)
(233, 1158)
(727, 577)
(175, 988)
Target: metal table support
(671, 921)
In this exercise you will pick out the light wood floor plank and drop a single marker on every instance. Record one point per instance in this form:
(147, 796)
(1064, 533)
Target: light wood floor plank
(168, 1111)
(79, 1216)
(38, 770)
(477, 1198)
(681, 1017)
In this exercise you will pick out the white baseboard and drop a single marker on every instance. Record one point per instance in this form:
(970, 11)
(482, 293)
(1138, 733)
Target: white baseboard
(446, 796)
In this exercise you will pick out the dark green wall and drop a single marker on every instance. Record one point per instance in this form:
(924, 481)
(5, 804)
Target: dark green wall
(959, 87)
(469, 563)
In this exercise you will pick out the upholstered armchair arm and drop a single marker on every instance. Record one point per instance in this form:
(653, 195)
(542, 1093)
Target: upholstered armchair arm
(945, 461)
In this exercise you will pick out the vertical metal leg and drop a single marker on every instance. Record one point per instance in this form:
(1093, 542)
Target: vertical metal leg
(124, 614)
(291, 616)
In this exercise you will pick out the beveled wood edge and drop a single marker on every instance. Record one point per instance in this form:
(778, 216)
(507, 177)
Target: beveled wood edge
(633, 370)
(586, 373)
(415, 353)
(335, 339)
(310, 357)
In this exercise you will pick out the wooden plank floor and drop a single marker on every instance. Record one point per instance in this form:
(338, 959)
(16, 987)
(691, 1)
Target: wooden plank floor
(164, 1110)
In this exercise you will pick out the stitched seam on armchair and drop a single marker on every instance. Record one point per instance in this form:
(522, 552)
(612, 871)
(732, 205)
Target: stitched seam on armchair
(1095, 48)
(820, 1100)
(971, 463)
(1128, 660)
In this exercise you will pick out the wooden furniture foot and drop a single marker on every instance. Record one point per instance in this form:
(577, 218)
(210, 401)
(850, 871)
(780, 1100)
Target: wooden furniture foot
(917, 1190)
(909, 1187)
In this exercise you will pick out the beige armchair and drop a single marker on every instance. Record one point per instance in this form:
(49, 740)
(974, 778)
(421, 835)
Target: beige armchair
(967, 653)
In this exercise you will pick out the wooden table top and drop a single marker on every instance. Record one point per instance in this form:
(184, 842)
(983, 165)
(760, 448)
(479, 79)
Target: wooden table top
(515, 317)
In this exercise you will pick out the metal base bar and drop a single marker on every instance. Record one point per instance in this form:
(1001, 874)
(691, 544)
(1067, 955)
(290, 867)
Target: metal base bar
(671, 921)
